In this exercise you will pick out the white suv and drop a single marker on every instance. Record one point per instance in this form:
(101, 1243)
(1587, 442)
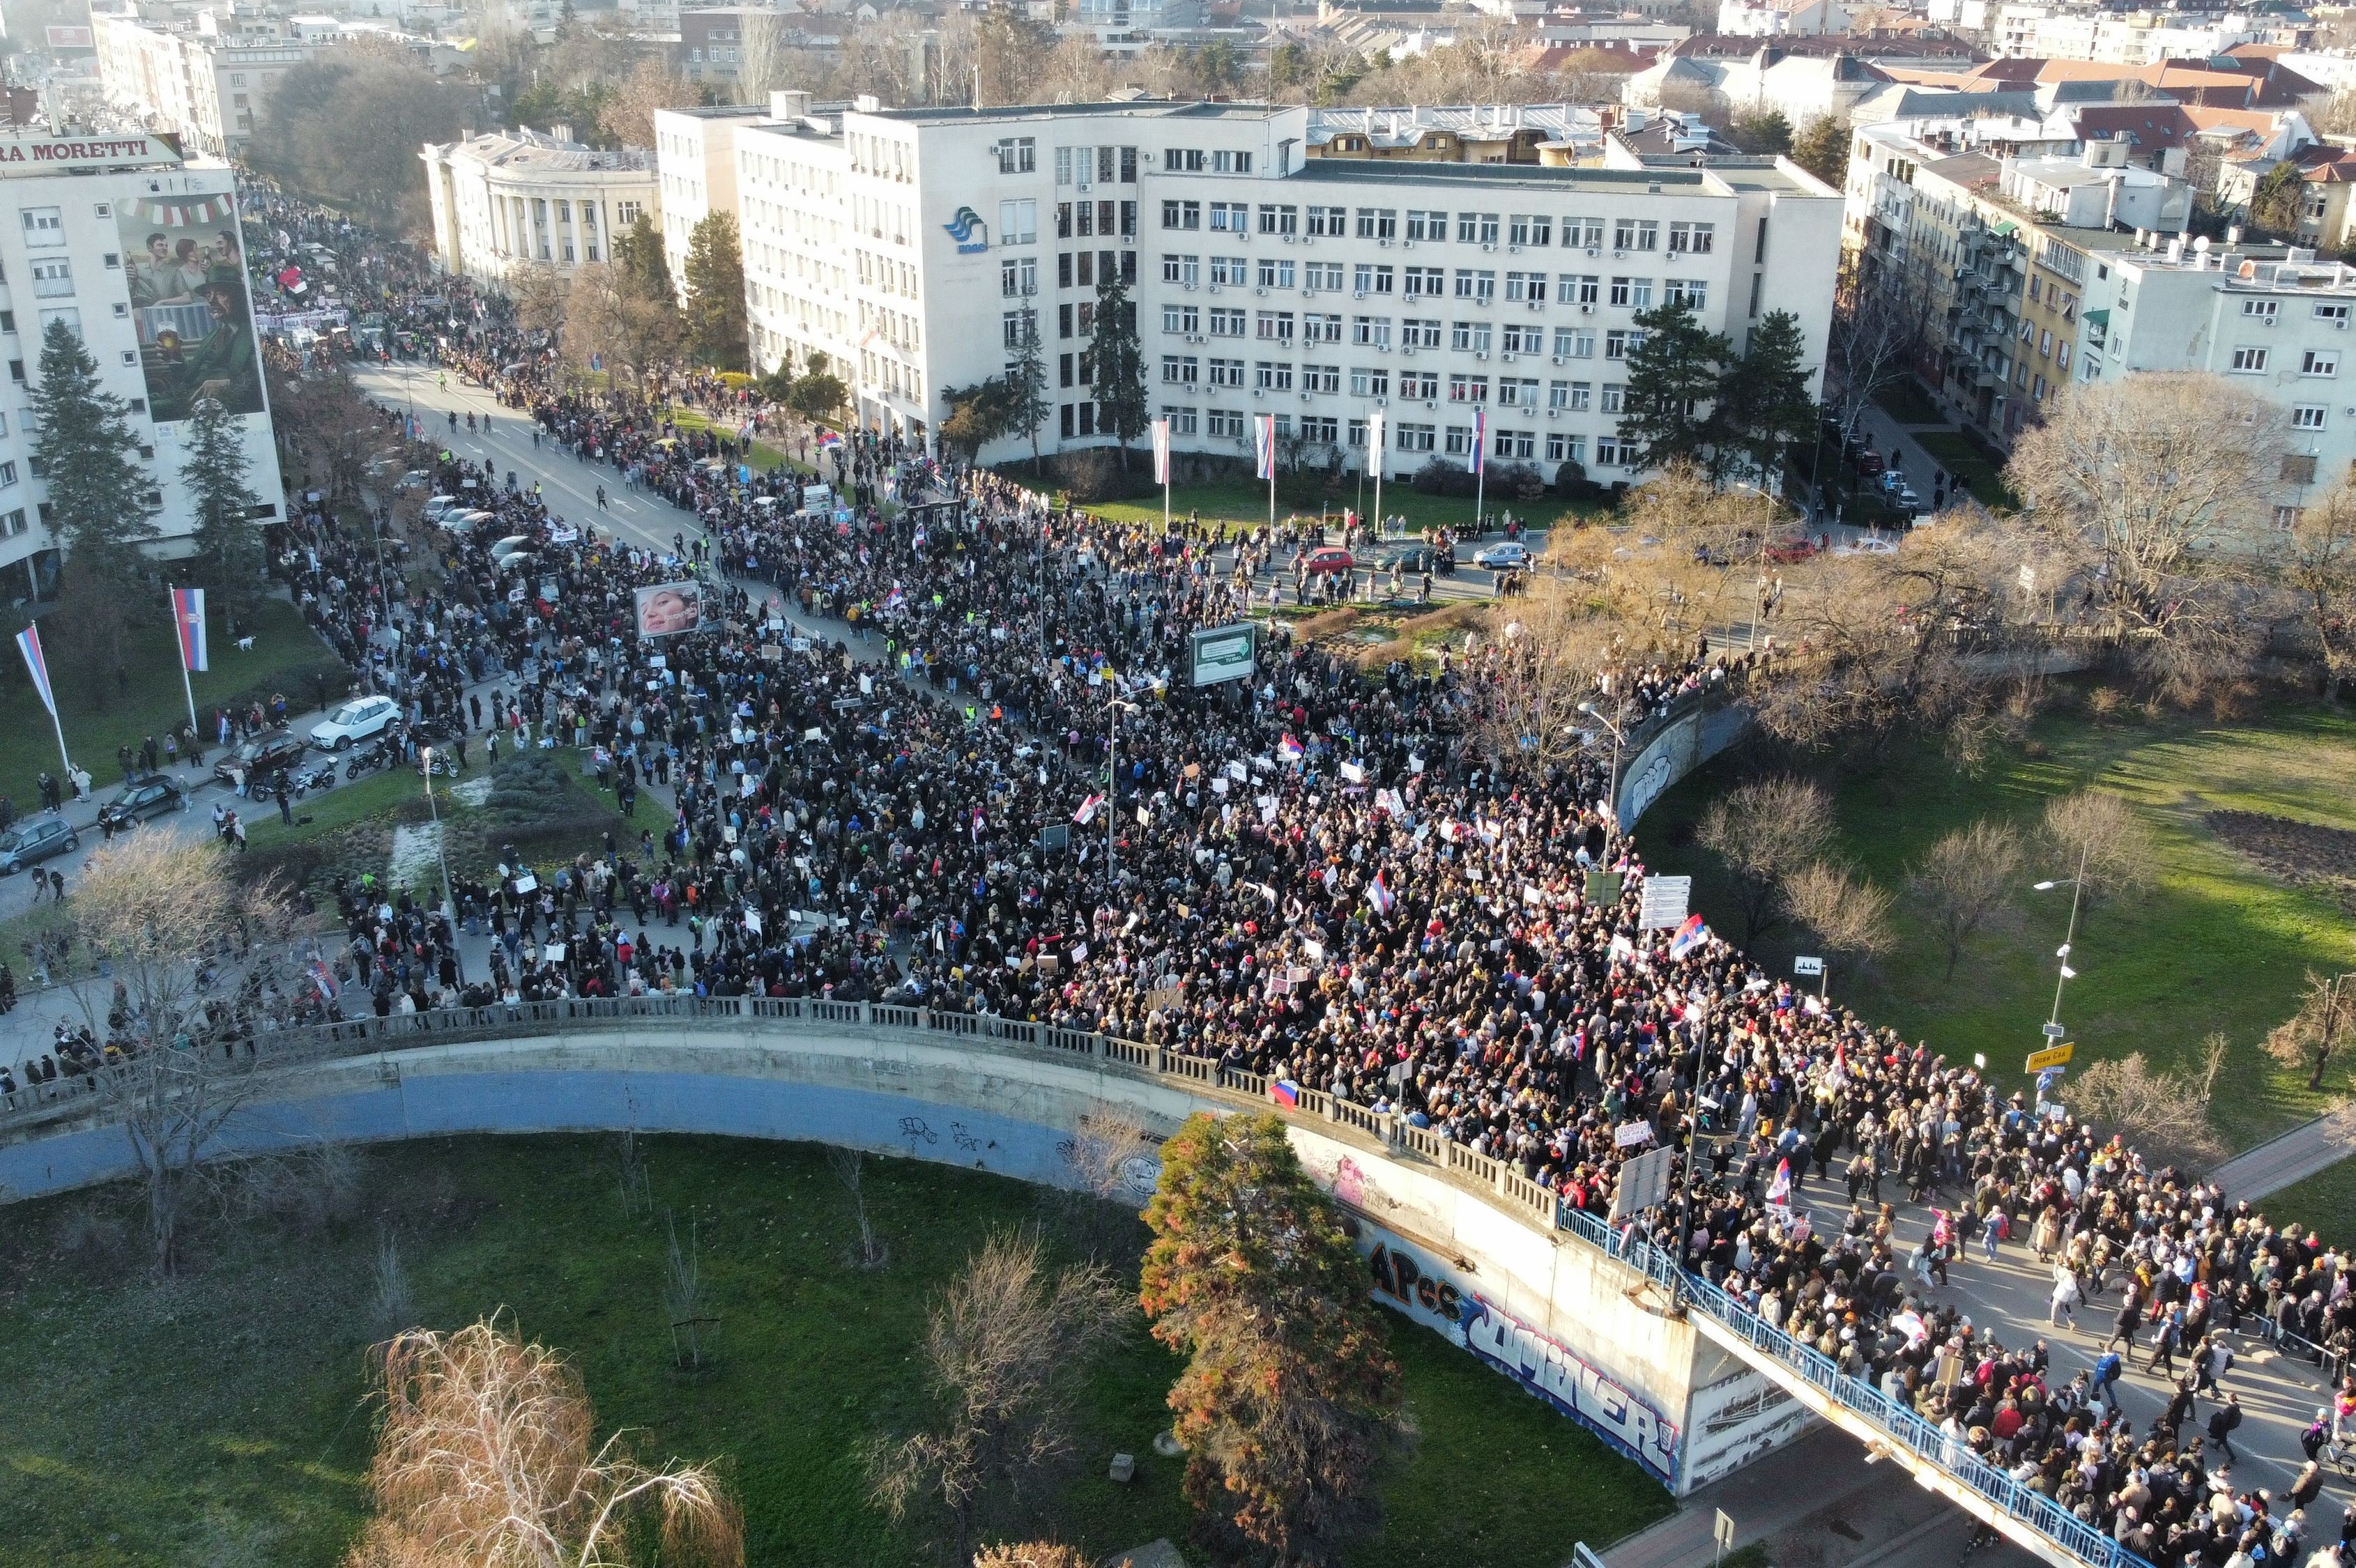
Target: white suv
(358, 720)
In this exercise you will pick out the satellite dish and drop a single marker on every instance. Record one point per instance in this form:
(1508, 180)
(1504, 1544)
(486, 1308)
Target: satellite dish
(2201, 246)
(2247, 269)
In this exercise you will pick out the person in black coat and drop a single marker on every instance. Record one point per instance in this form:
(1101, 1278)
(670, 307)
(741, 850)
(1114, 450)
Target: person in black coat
(2221, 1424)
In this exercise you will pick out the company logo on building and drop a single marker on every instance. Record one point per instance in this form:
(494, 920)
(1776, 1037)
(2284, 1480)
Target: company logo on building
(968, 230)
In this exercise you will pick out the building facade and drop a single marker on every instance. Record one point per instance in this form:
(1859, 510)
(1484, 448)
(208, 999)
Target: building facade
(207, 89)
(915, 248)
(138, 252)
(695, 159)
(510, 199)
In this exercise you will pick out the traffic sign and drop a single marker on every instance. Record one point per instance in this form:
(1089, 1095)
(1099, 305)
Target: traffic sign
(2052, 1056)
(1807, 966)
(2053, 1031)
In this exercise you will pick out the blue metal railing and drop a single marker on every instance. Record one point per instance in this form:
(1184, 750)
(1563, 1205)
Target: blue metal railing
(1904, 1428)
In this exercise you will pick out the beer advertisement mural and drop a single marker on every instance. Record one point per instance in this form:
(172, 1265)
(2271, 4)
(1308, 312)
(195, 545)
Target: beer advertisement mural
(188, 297)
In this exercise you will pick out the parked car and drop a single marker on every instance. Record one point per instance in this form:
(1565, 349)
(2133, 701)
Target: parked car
(1871, 544)
(1784, 551)
(1869, 464)
(262, 755)
(459, 522)
(436, 506)
(1414, 558)
(1500, 556)
(1329, 558)
(30, 843)
(146, 795)
(361, 719)
(510, 544)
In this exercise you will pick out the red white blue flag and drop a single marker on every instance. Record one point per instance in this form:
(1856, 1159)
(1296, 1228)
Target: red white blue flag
(1379, 893)
(1162, 450)
(28, 642)
(1282, 1092)
(1264, 445)
(1780, 1190)
(1477, 457)
(188, 620)
(1690, 935)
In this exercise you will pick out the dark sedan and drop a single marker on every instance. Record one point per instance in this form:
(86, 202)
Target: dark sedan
(262, 756)
(149, 794)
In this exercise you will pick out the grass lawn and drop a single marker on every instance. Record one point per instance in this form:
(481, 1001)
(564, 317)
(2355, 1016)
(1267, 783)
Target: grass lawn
(765, 456)
(1248, 503)
(2322, 1202)
(1906, 402)
(98, 718)
(2217, 945)
(219, 1418)
(1981, 471)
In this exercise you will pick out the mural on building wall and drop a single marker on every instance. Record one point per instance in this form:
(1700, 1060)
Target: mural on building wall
(186, 268)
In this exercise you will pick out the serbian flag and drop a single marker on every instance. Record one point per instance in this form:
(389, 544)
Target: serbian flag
(1690, 935)
(1162, 450)
(1264, 445)
(1291, 749)
(1379, 893)
(1087, 809)
(1284, 1094)
(322, 978)
(827, 439)
(1374, 438)
(188, 620)
(1475, 459)
(1780, 1190)
(29, 642)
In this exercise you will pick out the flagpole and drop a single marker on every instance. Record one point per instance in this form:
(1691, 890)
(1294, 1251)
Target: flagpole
(180, 641)
(1375, 459)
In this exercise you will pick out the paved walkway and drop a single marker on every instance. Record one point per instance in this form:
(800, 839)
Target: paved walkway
(2302, 1152)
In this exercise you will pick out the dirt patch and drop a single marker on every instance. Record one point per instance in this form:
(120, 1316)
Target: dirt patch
(2303, 853)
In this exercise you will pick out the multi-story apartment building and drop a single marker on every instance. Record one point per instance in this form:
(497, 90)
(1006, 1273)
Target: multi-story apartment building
(137, 250)
(513, 198)
(913, 249)
(2274, 321)
(695, 154)
(206, 88)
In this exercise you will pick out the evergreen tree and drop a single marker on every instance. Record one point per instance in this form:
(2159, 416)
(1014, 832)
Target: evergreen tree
(1120, 364)
(228, 558)
(1761, 133)
(716, 326)
(1673, 382)
(645, 268)
(1026, 383)
(98, 505)
(1289, 1397)
(1764, 409)
(1822, 149)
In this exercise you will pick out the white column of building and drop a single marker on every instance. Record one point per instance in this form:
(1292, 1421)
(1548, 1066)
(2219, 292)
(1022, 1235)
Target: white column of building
(573, 224)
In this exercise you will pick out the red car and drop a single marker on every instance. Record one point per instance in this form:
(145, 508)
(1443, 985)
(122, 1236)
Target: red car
(1785, 551)
(1330, 559)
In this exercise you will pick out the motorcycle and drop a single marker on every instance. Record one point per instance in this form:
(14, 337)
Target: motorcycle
(377, 756)
(293, 784)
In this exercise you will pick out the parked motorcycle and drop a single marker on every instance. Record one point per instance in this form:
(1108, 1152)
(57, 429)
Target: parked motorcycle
(377, 756)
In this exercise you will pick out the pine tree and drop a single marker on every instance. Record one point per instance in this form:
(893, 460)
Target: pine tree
(1119, 364)
(1289, 1397)
(646, 270)
(98, 494)
(1672, 380)
(717, 330)
(228, 558)
(1026, 385)
(1822, 149)
(1764, 409)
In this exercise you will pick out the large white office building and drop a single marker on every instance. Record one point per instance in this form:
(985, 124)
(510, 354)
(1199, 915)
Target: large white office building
(137, 250)
(509, 199)
(912, 246)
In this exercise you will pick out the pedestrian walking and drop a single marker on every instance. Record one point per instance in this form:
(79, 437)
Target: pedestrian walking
(2223, 1422)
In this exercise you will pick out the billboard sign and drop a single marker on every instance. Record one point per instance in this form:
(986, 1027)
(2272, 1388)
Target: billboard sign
(72, 38)
(45, 153)
(1224, 653)
(668, 609)
(188, 299)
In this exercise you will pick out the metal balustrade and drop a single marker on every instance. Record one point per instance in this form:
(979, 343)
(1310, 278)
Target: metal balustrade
(1778, 1354)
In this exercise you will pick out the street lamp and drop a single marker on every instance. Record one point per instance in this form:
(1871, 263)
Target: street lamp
(449, 902)
(1612, 793)
(2077, 886)
(1114, 708)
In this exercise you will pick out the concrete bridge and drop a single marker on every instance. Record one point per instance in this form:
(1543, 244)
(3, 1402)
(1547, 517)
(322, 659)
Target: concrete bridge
(1661, 1365)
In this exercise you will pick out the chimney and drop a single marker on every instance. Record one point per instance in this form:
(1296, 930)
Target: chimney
(560, 131)
(2233, 236)
(2176, 250)
(789, 106)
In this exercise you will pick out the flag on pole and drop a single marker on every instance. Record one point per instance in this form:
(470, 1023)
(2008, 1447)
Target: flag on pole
(1379, 893)
(1690, 935)
(1162, 450)
(29, 642)
(322, 978)
(1291, 749)
(1375, 428)
(1780, 1190)
(1087, 809)
(1476, 458)
(188, 619)
(1264, 445)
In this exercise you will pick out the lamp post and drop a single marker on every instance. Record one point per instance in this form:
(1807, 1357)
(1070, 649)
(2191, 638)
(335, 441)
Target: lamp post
(1612, 793)
(449, 902)
(1114, 708)
(2077, 886)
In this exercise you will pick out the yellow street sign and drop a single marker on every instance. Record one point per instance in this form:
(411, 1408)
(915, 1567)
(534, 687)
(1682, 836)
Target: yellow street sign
(2052, 1056)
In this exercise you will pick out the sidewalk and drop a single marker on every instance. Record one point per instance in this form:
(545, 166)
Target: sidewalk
(2298, 1154)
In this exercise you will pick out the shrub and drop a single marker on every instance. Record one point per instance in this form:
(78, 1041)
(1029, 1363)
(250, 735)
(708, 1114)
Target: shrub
(1571, 483)
(1442, 476)
(1096, 474)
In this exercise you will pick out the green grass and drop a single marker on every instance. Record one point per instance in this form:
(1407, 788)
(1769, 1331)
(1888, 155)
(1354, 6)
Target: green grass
(765, 456)
(1980, 470)
(221, 1418)
(2216, 945)
(380, 793)
(1906, 402)
(98, 717)
(2322, 1202)
(1247, 504)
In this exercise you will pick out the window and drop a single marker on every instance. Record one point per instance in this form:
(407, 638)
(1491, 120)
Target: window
(1018, 222)
(2307, 416)
(1184, 160)
(1273, 326)
(1517, 394)
(1270, 375)
(1479, 286)
(1368, 381)
(1227, 323)
(1469, 336)
(65, 315)
(1574, 343)
(1182, 420)
(43, 226)
(1278, 218)
(1577, 288)
(1320, 328)
(1321, 378)
(1586, 232)
(1529, 287)
(1180, 370)
(1230, 271)
(1463, 389)
(1377, 223)
(1423, 384)
(1181, 319)
(12, 524)
(1231, 163)
(1635, 234)
(1187, 270)
(1419, 333)
(1615, 399)
(2314, 362)
(1371, 280)
(1414, 438)
(1226, 372)
(1320, 274)
(2332, 312)
(1561, 448)
(1223, 421)
(1582, 397)
(1018, 276)
(1230, 217)
(1476, 229)
(1010, 328)
(2259, 310)
(1331, 221)
(52, 279)
(1458, 442)
(1182, 215)
(1514, 443)
(1611, 453)
(1525, 230)
(1691, 292)
(2286, 517)
(1522, 338)
(1425, 283)
(1695, 238)
(7, 474)
(1620, 344)
(625, 213)
(1423, 225)
(2062, 354)
(2298, 468)
(1275, 272)
(1373, 331)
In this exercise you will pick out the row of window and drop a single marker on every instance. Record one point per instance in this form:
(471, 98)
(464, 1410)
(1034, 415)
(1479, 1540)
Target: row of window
(1421, 226)
(2311, 361)
(1407, 436)
(1375, 381)
(1475, 283)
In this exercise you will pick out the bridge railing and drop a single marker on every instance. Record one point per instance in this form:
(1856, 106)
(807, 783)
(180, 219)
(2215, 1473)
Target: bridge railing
(1898, 1425)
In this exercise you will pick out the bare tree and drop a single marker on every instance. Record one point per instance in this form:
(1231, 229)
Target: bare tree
(193, 963)
(850, 1167)
(638, 1187)
(1030, 1554)
(390, 1298)
(629, 116)
(1848, 914)
(2164, 1114)
(2319, 571)
(539, 291)
(1108, 1143)
(487, 1456)
(1765, 831)
(1004, 1347)
(685, 1300)
(1965, 878)
(2099, 837)
(1876, 329)
(2326, 1012)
